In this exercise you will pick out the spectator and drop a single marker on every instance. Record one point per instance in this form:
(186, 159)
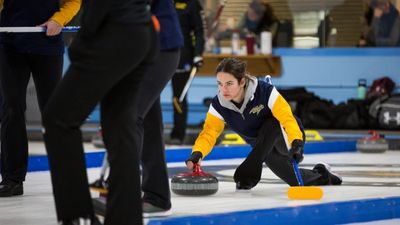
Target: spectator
(368, 15)
(385, 25)
(259, 17)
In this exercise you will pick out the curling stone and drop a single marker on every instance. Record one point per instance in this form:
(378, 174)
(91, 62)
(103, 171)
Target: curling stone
(197, 183)
(372, 144)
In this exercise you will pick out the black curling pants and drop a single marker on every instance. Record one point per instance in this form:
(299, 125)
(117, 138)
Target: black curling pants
(15, 72)
(180, 118)
(271, 149)
(155, 183)
(107, 68)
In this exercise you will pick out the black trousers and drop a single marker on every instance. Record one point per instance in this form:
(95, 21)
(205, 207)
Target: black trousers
(107, 68)
(180, 119)
(16, 70)
(155, 183)
(1, 104)
(271, 149)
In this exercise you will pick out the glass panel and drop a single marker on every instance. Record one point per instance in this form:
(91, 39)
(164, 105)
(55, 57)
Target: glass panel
(302, 23)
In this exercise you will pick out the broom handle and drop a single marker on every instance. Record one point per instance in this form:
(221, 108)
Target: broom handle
(188, 83)
(104, 167)
(297, 172)
(34, 29)
(216, 19)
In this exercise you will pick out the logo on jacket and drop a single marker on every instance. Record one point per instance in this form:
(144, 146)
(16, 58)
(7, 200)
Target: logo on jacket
(257, 109)
(180, 5)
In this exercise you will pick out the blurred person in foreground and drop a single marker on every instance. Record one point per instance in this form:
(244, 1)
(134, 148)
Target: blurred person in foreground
(110, 55)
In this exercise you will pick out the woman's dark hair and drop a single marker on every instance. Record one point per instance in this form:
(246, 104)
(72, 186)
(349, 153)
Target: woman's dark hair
(233, 66)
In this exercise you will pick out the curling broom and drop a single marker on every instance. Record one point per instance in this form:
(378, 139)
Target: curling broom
(302, 192)
(34, 29)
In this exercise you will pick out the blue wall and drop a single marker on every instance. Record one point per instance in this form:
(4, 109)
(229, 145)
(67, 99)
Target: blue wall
(330, 73)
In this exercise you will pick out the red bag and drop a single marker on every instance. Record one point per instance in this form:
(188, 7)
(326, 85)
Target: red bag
(380, 87)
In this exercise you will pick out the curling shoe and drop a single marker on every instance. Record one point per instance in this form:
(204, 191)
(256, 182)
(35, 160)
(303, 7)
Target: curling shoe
(82, 221)
(10, 188)
(327, 174)
(243, 188)
(150, 210)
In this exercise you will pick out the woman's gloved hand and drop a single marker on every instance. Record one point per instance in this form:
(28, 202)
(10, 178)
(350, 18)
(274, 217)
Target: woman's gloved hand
(297, 150)
(193, 159)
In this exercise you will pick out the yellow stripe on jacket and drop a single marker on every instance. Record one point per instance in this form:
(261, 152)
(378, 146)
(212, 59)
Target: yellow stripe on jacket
(282, 112)
(68, 9)
(1, 4)
(212, 128)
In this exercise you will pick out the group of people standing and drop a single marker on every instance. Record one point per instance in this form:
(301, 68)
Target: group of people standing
(119, 53)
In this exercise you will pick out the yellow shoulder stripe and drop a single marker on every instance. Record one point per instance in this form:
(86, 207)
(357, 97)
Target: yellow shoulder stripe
(282, 112)
(212, 128)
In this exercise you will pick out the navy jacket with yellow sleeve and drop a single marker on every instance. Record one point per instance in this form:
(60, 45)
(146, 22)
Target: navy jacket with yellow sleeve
(22, 13)
(261, 101)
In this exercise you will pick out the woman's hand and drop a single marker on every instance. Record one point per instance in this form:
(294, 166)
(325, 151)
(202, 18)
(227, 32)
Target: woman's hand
(193, 159)
(52, 28)
(297, 150)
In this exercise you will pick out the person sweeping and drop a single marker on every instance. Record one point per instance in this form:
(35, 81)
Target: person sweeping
(261, 116)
